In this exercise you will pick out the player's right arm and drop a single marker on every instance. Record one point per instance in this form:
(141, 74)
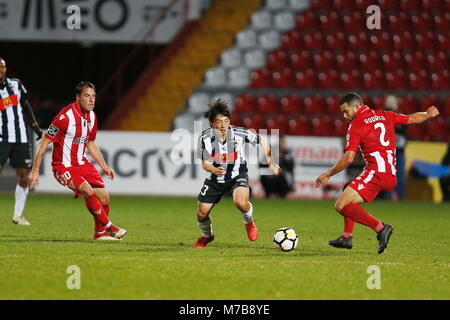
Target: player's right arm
(208, 166)
(420, 117)
(34, 175)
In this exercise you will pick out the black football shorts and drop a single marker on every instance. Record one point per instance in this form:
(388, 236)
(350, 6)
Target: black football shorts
(19, 155)
(212, 192)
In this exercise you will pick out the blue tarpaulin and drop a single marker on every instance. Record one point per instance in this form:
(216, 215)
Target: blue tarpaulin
(433, 170)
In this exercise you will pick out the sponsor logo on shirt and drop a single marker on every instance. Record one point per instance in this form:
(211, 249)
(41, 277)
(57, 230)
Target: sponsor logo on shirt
(52, 131)
(9, 102)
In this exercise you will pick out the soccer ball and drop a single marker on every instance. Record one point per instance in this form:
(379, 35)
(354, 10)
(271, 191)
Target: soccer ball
(286, 239)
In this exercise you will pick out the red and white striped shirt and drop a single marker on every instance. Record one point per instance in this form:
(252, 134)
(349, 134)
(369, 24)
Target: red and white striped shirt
(70, 132)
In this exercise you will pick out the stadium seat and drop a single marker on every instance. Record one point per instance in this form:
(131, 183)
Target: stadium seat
(410, 5)
(261, 20)
(269, 40)
(369, 60)
(314, 105)
(399, 21)
(380, 41)
(245, 103)
(378, 102)
(238, 77)
(321, 5)
(231, 58)
(298, 5)
(447, 107)
(306, 21)
(279, 122)
(323, 60)
(408, 104)
(275, 4)
(437, 60)
(305, 79)
(417, 132)
(292, 104)
(441, 22)
(300, 59)
(362, 4)
(313, 40)
(440, 80)
(216, 77)
(300, 126)
(395, 79)
(432, 5)
(372, 79)
(268, 104)
(332, 105)
(418, 80)
(328, 79)
(392, 60)
(236, 120)
(340, 127)
(388, 5)
(443, 41)
(283, 78)
(353, 20)
(185, 121)
(291, 40)
(198, 102)
(425, 41)
(358, 41)
(322, 126)
(277, 59)
(415, 60)
(346, 61)
(336, 41)
(422, 21)
(329, 21)
(254, 59)
(260, 78)
(247, 39)
(255, 122)
(437, 129)
(402, 41)
(428, 101)
(284, 21)
(349, 80)
(226, 96)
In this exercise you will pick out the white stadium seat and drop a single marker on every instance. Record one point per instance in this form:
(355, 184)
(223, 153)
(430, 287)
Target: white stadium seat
(198, 102)
(299, 5)
(254, 59)
(204, 123)
(275, 4)
(247, 39)
(284, 21)
(185, 121)
(231, 58)
(216, 77)
(269, 40)
(239, 77)
(261, 19)
(228, 97)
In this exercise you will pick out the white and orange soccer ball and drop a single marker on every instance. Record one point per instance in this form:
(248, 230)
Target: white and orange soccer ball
(286, 239)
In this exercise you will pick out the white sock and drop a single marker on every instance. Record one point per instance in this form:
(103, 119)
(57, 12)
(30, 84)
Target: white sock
(21, 198)
(247, 217)
(205, 227)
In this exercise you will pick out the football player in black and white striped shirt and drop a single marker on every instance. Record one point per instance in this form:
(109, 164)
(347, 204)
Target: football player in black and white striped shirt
(15, 145)
(221, 150)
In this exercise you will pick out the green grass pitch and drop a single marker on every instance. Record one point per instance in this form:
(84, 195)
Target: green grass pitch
(156, 259)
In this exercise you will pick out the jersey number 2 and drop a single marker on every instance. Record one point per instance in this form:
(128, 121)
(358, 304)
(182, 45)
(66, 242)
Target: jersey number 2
(381, 126)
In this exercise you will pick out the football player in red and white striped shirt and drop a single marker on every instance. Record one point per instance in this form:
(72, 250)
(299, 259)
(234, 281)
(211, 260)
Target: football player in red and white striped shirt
(72, 131)
(373, 132)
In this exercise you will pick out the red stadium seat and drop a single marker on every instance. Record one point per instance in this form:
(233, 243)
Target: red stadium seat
(292, 104)
(280, 123)
(378, 102)
(443, 41)
(408, 104)
(342, 5)
(323, 60)
(373, 79)
(332, 105)
(268, 104)
(429, 101)
(329, 21)
(410, 5)
(260, 78)
(321, 5)
(236, 119)
(283, 78)
(328, 79)
(314, 104)
(422, 21)
(447, 107)
(300, 59)
(432, 5)
(346, 61)
(415, 60)
(291, 40)
(441, 22)
(322, 126)
(350, 80)
(358, 41)
(255, 122)
(395, 80)
(277, 59)
(313, 40)
(362, 4)
(306, 21)
(425, 41)
(399, 22)
(336, 41)
(417, 132)
(353, 21)
(392, 61)
(367, 100)
(380, 41)
(305, 79)
(418, 80)
(300, 126)
(340, 127)
(369, 60)
(403, 41)
(245, 104)
(437, 61)
(388, 5)
(440, 80)
(437, 129)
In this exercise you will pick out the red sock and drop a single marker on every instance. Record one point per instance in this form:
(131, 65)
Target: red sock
(349, 224)
(98, 225)
(96, 209)
(361, 216)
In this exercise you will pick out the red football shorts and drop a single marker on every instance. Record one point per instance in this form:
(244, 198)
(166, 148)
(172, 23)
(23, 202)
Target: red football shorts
(73, 177)
(370, 183)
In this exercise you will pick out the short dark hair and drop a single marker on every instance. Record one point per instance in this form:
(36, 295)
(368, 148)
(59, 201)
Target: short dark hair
(217, 107)
(82, 85)
(351, 98)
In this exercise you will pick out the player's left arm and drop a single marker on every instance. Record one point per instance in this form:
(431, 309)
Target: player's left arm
(420, 117)
(96, 154)
(268, 153)
(347, 159)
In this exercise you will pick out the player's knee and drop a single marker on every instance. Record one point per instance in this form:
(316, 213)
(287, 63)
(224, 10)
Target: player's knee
(86, 190)
(242, 204)
(339, 206)
(202, 215)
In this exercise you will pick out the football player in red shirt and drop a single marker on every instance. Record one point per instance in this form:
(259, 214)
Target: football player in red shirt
(373, 131)
(72, 131)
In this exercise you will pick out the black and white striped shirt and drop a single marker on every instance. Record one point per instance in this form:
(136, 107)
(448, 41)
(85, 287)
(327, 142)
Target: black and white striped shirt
(230, 154)
(12, 122)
